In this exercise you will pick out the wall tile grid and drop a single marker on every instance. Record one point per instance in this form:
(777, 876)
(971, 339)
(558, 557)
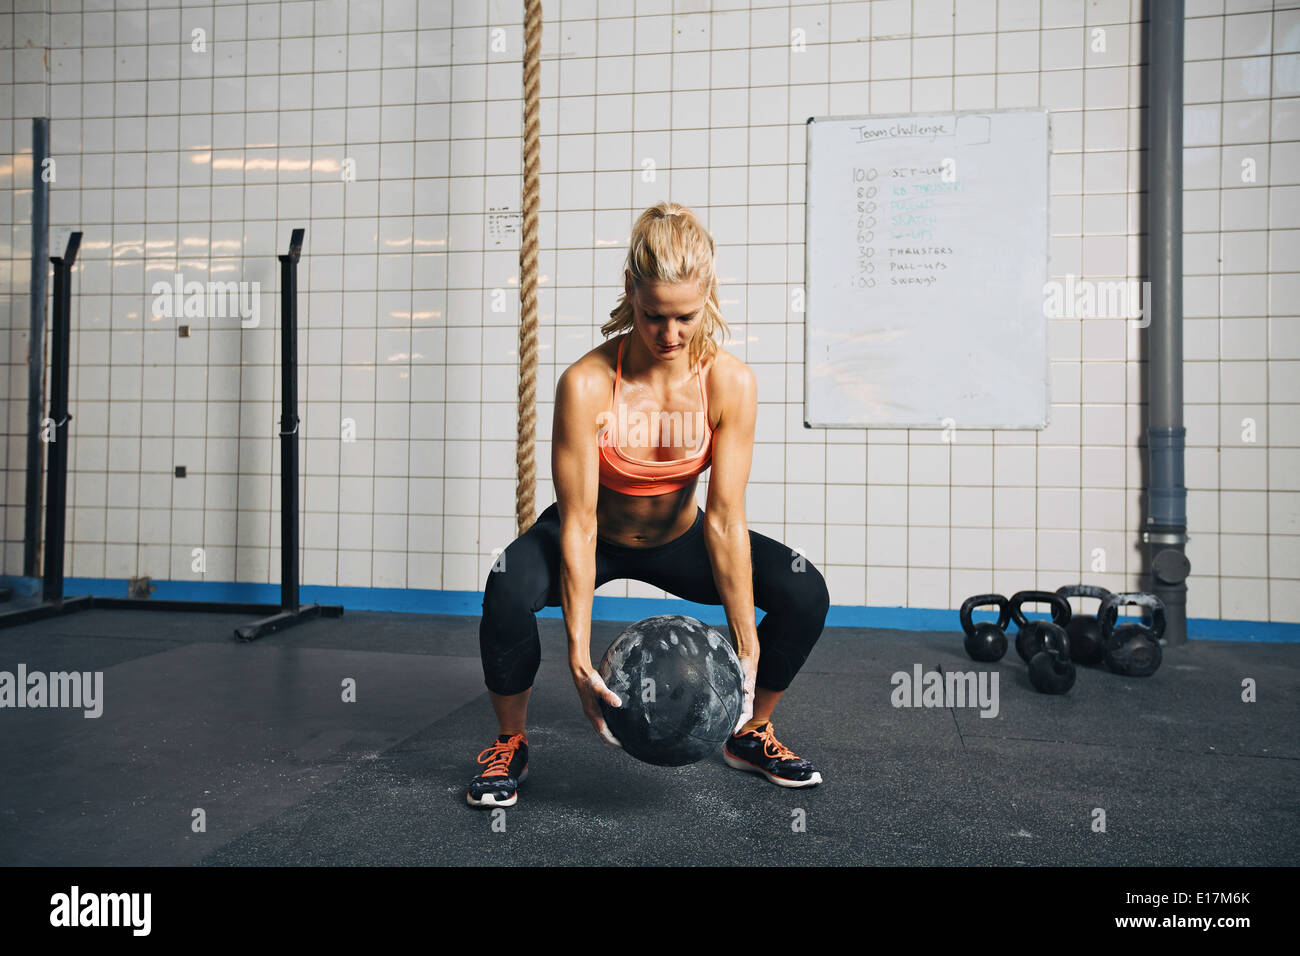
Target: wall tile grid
(192, 138)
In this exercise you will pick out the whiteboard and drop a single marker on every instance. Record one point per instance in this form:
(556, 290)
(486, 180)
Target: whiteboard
(925, 263)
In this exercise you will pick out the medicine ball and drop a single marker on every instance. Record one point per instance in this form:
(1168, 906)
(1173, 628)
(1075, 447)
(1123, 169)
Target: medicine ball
(681, 686)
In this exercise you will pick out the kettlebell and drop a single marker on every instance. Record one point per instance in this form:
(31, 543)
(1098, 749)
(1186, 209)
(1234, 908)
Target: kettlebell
(1028, 641)
(1050, 670)
(1084, 629)
(985, 641)
(1132, 648)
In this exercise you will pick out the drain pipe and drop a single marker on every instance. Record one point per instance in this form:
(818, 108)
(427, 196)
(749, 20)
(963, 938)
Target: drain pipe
(1165, 535)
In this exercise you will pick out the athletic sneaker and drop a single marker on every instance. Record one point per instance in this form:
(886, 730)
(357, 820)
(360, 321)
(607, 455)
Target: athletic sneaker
(507, 767)
(758, 751)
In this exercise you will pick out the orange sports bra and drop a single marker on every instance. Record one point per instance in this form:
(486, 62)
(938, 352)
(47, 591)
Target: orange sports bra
(637, 476)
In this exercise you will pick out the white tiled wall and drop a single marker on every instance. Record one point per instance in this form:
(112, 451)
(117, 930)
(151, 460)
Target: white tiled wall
(194, 137)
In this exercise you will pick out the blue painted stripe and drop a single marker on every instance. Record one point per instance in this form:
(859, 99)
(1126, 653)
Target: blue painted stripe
(416, 601)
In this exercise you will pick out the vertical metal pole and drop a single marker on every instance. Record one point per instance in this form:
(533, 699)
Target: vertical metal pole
(289, 424)
(1165, 535)
(36, 345)
(55, 512)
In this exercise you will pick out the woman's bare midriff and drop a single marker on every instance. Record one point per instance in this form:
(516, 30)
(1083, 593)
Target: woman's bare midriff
(634, 521)
(647, 521)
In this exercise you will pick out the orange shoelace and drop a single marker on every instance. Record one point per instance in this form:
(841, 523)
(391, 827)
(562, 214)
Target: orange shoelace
(773, 747)
(498, 757)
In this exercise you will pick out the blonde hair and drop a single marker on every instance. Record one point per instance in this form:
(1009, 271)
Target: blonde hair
(669, 244)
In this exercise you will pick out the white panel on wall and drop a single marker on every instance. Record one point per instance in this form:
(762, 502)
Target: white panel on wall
(926, 255)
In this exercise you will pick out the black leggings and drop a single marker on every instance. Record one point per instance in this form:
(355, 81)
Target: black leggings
(786, 586)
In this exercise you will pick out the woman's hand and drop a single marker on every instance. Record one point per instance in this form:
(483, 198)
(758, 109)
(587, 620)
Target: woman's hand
(591, 691)
(748, 667)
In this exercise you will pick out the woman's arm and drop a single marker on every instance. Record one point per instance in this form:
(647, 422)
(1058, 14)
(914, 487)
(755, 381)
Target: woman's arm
(575, 470)
(726, 533)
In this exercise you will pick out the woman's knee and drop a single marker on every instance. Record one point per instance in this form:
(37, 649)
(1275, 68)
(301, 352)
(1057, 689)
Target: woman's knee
(522, 576)
(804, 592)
(510, 605)
(820, 595)
(785, 581)
(505, 593)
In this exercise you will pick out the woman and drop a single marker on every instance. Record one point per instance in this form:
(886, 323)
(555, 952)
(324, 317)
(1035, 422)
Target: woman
(636, 421)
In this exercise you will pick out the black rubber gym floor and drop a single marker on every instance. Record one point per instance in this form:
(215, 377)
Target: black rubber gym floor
(258, 738)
